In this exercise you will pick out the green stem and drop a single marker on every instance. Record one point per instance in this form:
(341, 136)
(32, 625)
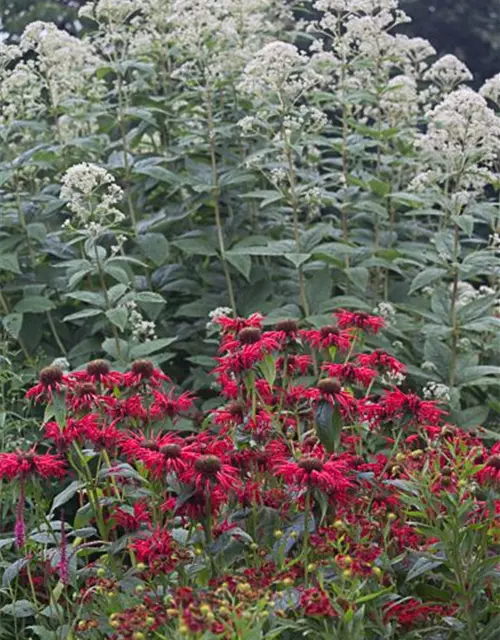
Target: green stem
(216, 197)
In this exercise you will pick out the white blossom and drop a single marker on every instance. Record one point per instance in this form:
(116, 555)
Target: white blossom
(91, 193)
(448, 72)
(436, 391)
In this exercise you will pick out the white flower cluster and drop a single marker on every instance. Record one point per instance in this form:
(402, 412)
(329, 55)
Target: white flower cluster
(279, 68)
(219, 312)
(114, 11)
(399, 101)
(393, 378)
(462, 139)
(387, 311)
(142, 330)
(491, 89)
(436, 391)
(65, 64)
(91, 194)
(448, 73)
(20, 90)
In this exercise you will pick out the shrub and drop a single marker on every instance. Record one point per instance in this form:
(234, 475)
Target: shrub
(341, 505)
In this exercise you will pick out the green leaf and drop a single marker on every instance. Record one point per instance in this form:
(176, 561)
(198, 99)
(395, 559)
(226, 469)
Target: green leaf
(359, 276)
(297, 259)
(91, 297)
(13, 570)
(85, 313)
(268, 368)
(421, 566)
(195, 246)
(425, 278)
(118, 317)
(154, 246)
(19, 609)
(9, 262)
(34, 304)
(146, 349)
(159, 173)
(64, 496)
(12, 323)
(241, 262)
(328, 425)
(36, 231)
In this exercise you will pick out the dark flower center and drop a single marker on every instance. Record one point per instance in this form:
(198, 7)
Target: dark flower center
(310, 441)
(86, 388)
(329, 385)
(51, 375)
(493, 461)
(235, 408)
(328, 330)
(150, 445)
(143, 368)
(311, 464)
(249, 335)
(208, 465)
(288, 326)
(98, 368)
(171, 450)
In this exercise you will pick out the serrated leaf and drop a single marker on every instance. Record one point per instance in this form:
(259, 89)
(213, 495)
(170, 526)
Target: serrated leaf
(154, 246)
(241, 262)
(12, 323)
(19, 609)
(85, 313)
(9, 262)
(118, 317)
(425, 278)
(146, 349)
(34, 304)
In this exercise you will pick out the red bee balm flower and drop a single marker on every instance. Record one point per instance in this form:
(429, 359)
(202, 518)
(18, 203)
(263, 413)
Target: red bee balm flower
(329, 476)
(51, 379)
(22, 464)
(326, 337)
(144, 371)
(350, 319)
(156, 550)
(208, 470)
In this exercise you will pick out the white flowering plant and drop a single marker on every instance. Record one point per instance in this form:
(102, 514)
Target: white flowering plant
(183, 156)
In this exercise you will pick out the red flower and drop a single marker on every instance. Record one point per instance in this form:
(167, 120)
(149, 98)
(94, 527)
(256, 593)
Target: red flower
(157, 550)
(289, 365)
(99, 372)
(350, 373)
(235, 325)
(396, 405)
(329, 476)
(411, 612)
(167, 405)
(230, 415)
(381, 361)
(349, 319)
(161, 455)
(209, 470)
(330, 389)
(490, 473)
(144, 371)
(195, 506)
(315, 602)
(22, 464)
(132, 518)
(85, 396)
(326, 337)
(51, 379)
